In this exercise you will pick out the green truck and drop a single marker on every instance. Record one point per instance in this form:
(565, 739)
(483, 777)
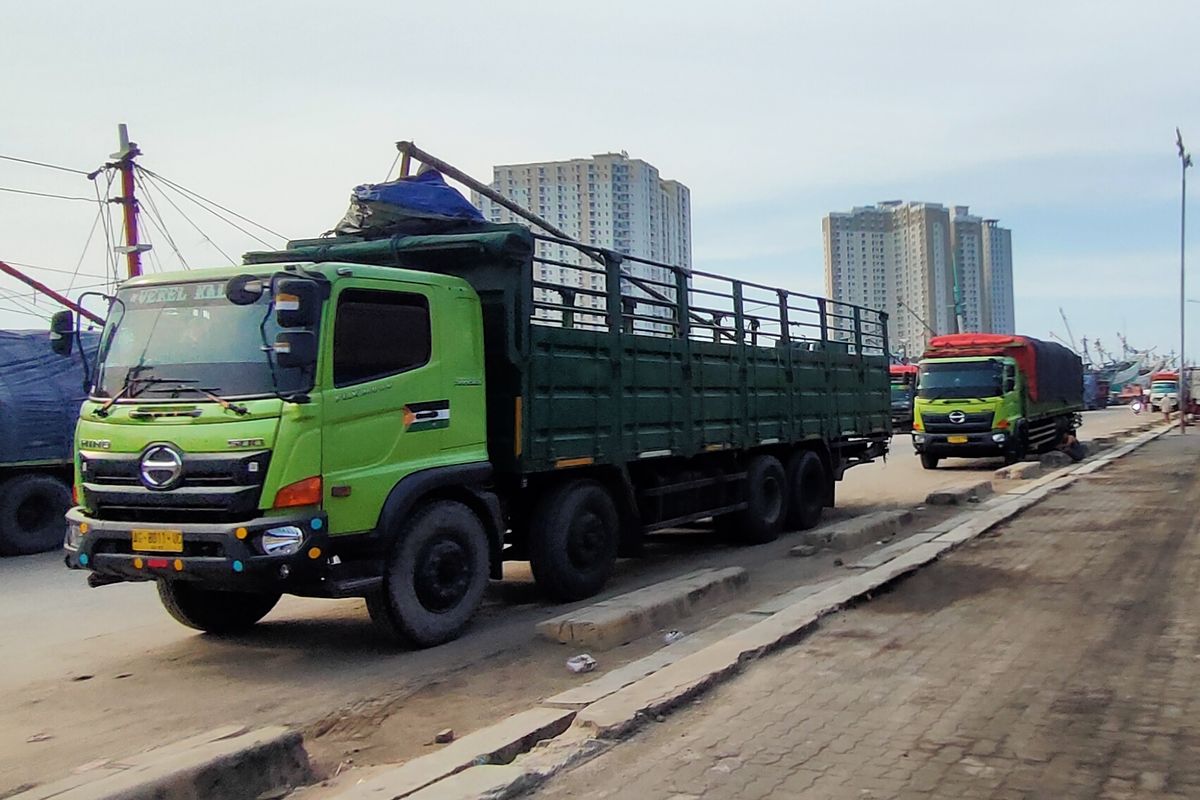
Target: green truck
(394, 418)
(987, 395)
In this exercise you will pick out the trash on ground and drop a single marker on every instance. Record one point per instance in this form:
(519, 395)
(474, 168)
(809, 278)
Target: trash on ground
(670, 637)
(581, 663)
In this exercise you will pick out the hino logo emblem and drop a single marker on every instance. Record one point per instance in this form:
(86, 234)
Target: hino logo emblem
(958, 417)
(161, 467)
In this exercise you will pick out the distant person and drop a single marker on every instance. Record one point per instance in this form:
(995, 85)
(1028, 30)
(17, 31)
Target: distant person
(1167, 404)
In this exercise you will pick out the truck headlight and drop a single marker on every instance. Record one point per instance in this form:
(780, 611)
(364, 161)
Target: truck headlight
(918, 438)
(999, 438)
(74, 536)
(282, 541)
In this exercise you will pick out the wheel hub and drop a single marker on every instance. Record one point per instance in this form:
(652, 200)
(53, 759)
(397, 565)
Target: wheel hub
(443, 575)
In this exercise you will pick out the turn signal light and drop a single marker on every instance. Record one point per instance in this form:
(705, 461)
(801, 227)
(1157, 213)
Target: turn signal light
(1002, 424)
(918, 425)
(301, 493)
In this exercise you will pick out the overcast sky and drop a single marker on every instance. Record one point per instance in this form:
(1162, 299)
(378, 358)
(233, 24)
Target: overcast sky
(1056, 118)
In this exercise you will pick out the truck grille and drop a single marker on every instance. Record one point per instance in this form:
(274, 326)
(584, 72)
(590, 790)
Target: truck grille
(214, 487)
(973, 422)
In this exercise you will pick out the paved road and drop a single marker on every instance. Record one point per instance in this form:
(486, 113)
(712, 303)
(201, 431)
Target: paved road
(1057, 657)
(101, 673)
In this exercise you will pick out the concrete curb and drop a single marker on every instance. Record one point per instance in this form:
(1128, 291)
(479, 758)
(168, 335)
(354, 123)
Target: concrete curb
(961, 495)
(855, 532)
(224, 764)
(634, 614)
(620, 713)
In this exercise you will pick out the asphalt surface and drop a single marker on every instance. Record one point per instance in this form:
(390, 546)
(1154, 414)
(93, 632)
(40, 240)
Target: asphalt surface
(93, 674)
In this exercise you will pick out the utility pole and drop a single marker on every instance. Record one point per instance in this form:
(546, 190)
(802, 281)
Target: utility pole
(124, 157)
(1185, 161)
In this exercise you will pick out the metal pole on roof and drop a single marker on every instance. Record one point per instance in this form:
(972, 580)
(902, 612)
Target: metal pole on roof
(1185, 160)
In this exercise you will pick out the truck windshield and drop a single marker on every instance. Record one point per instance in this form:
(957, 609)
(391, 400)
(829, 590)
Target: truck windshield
(960, 379)
(188, 335)
(1163, 386)
(900, 393)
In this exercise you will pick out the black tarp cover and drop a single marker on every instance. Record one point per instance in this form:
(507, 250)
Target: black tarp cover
(40, 394)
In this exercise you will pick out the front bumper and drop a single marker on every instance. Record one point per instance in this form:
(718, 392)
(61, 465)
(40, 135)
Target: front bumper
(213, 554)
(965, 445)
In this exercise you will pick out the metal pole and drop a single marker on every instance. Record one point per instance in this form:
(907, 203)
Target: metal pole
(46, 290)
(1185, 160)
(133, 249)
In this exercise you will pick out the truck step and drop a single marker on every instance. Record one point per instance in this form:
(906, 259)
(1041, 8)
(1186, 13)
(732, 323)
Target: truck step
(354, 587)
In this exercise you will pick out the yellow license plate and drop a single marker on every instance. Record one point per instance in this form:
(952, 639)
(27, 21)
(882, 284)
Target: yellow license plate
(158, 541)
(956, 439)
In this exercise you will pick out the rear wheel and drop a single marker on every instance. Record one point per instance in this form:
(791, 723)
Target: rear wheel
(33, 512)
(573, 538)
(766, 503)
(435, 575)
(928, 461)
(806, 482)
(212, 610)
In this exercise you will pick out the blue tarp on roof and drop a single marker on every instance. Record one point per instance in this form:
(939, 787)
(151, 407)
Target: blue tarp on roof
(40, 394)
(424, 203)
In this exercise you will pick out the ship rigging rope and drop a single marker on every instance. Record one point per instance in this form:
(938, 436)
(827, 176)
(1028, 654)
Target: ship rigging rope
(156, 218)
(47, 194)
(42, 164)
(197, 198)
(148, 181)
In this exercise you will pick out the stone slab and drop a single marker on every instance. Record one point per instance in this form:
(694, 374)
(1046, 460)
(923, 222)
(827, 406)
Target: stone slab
(1026, 470)
(886, 554)
(630, 616)
(959, 495)
(228, 763)
(856, 532)
(495, 744)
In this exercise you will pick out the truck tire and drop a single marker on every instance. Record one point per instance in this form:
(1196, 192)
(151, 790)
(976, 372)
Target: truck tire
(33, 512)
(928, 461)
(806, 483)
(767, 503)
(435, 576)
(573, 537)
(212, 610)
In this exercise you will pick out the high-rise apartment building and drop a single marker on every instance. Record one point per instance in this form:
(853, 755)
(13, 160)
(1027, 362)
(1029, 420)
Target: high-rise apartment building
(609, 200)
(905, 258)
(997, 276)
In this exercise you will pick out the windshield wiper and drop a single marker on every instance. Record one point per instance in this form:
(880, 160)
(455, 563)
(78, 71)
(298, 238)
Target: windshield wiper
(126, 389)
(236, 408)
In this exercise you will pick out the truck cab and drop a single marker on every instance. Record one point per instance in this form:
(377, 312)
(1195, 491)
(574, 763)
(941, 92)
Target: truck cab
(1164, 384)
(239, 425)
(967, 407)
(903, 379)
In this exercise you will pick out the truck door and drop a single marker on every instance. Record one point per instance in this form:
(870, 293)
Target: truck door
(387, 409)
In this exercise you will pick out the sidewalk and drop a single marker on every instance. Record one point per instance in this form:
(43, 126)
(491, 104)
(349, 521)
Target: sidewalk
(1056, 657)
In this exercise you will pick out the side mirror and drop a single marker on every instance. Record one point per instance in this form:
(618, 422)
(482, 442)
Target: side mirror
(295, 349)
(244, 290)
(297, 303)
(62, 332)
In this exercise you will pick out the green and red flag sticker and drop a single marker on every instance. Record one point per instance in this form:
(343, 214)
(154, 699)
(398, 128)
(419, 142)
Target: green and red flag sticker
(427, 416)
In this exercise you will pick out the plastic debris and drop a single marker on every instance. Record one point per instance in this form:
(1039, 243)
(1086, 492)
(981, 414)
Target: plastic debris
(581, 663)
(444, 736)
(671, 637)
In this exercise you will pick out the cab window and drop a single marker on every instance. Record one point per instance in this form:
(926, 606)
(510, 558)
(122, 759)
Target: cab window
(377, 334)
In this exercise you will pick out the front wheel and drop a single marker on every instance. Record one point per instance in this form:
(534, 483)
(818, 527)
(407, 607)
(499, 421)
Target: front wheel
(213, 610)
(928, 461)
(435, 575)
(573, 537)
